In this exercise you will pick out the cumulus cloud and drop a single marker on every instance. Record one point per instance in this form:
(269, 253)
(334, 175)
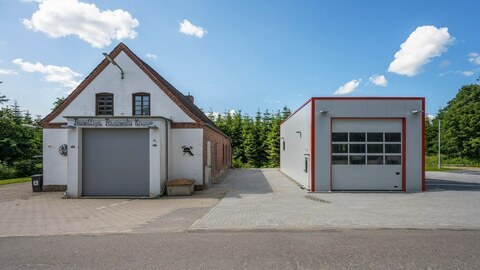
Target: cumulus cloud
(423, 44)
(151, 55)
(347, 88)
(467, 73)
(7, 72)
(62, 75)
(474, 58)
(379, 80)
(190, 29)
(60, 18)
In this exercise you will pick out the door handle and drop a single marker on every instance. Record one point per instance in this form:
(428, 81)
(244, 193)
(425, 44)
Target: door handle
(397, 173)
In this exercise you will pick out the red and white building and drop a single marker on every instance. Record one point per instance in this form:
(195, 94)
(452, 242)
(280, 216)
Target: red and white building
(125, 131)
(356, 144)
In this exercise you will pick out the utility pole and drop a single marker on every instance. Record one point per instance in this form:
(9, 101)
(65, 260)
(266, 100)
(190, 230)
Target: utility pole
(439, 141)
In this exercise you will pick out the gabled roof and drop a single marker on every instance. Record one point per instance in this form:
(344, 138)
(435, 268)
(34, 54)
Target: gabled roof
(182, 101)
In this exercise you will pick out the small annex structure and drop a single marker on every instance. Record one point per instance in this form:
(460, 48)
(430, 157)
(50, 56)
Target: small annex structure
(126, 131)
(356, 144)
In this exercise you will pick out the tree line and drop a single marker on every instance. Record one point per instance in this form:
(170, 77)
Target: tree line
(255, 140)
(20, 141)
(459, 127)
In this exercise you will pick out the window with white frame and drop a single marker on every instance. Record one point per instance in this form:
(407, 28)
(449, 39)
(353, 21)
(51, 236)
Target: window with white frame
(366, 148)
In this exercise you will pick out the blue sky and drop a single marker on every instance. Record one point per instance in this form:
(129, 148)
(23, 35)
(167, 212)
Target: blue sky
(245, 55)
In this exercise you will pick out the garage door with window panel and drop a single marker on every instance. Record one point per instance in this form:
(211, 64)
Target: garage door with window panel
(115, 162)
(366, 154)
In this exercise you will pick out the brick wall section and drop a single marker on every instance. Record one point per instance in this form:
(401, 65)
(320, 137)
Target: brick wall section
(223, 159)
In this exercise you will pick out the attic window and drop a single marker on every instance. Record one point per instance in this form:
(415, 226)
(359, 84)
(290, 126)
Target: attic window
(141, 104)
(104, 104)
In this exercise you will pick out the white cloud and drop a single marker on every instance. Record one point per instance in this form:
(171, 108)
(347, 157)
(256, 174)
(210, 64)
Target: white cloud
(7, 72)
(151, 55)
(60, 18)
(474, 58)
(467, 73)
(347, 88)
(63, 75)
(190, 29)
(379, 80)
(423, 44)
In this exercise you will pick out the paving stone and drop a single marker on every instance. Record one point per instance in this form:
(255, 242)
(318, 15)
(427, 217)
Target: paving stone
(268, 199)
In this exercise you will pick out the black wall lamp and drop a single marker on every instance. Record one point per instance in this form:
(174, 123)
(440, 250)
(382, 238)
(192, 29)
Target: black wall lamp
(113, 63)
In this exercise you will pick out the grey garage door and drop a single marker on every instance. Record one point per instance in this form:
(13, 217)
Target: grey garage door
(367, 154)
(115, 162)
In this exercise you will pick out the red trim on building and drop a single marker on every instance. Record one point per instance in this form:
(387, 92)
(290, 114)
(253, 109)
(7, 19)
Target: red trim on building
(423, 145)
(368, 98)
(312, 146)
(331, 170)
(301, 107)
(404, 154)
(353, 98)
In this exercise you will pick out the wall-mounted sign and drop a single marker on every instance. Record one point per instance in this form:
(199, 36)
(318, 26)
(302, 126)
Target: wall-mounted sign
(187, 150)
(63, 150)
(110, 122)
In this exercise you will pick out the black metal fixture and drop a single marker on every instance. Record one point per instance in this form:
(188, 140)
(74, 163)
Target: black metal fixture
(113, 63)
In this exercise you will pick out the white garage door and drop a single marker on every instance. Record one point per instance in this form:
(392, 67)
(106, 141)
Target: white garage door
(115, 162)
(366, 154)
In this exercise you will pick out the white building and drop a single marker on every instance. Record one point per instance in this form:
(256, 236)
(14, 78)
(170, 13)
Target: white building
(356, 144)
(125, 131)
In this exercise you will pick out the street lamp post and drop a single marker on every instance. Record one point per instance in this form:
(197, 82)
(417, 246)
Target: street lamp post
(439, 141)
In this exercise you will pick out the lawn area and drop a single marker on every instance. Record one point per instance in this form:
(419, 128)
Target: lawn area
(15, 180)
(436, 169)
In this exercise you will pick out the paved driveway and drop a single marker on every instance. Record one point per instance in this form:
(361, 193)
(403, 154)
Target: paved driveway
(23, 213)
(269, 199)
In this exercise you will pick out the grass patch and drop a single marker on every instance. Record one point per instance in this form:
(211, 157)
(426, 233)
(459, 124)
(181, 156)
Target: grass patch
(15, 180)
(436, 169)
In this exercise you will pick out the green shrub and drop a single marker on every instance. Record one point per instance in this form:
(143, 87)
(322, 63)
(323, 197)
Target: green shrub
(26, 168)
(6, 172)
(432, 161)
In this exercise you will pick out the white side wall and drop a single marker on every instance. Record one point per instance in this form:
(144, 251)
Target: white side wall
(187, 166)
(297, 146)
(368, 109)
(54, 164)
(135, 81)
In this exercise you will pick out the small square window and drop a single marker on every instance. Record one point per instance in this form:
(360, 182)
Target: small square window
(339, 148)
(339, 137)
(375, 148)
(357, 160)
(357, 148)
(357, 137)
(393, 148)
(340, 160)
(375, 137)
(393, 160)
(393, 137)
(375, 160)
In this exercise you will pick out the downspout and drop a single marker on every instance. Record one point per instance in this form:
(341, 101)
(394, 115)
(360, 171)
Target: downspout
(166, 157)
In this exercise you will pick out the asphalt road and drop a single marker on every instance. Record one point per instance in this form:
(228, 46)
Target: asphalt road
(326, 249)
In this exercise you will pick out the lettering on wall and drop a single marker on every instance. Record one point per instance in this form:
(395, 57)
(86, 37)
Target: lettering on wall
(108, 122)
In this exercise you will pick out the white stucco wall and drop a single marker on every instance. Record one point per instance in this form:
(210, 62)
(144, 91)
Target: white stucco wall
(297, 148)
(399, 108)
(135, 81)
(187, 166)
(54, 164)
